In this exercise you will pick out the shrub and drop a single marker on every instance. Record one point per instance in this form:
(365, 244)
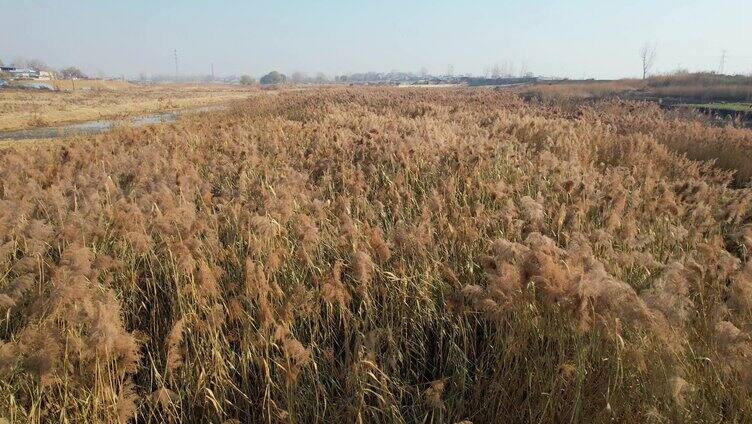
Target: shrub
(247, 80)
(273, 77)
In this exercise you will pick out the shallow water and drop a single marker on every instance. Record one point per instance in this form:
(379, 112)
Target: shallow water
(98, 126)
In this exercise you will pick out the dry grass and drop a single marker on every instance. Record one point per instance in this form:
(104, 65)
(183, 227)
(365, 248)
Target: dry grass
(375, 255)
(580, 90)
(703, 87)
(30, 108)
(728, 147)
(698, 93)
(93, 84)
(692, 87)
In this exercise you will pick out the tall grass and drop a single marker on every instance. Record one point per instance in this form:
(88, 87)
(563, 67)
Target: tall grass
(562, 91)
(703, 86)
(727, 147)
(687, 87)
(373, 256)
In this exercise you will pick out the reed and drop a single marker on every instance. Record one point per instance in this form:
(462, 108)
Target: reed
(375, 255)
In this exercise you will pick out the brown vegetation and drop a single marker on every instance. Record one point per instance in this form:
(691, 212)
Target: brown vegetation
(376, 255)
(30, 108)
(580, 90)
(703, 86)
(687, 87)
(728, 147)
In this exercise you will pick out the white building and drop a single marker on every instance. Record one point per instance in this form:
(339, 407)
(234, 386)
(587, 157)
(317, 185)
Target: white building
(28, 73)
(46, 75)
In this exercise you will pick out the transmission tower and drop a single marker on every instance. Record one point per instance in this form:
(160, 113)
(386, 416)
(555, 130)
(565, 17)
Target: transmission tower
(175, 55)
(723, 62)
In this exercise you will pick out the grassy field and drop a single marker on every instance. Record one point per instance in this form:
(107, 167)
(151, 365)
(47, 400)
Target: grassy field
(379, 255)
(86, 84)
(734, 107)
(32, 108)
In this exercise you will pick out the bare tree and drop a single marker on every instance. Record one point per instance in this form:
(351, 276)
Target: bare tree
(524, 72)
(647, 54)
(496, 71)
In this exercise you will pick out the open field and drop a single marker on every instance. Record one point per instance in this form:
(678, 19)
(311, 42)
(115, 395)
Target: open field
(32, 108)
(90, 84)
(380, 255)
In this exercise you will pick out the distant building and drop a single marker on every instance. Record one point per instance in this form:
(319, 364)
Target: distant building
(27, 73)
(24, 73)
(46, 75)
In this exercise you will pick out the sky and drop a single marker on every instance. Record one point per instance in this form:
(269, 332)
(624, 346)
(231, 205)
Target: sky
(574, 38)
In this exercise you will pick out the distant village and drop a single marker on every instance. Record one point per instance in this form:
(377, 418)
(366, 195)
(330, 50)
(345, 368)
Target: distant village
(36, 77)
(27, 73)
(35, 74)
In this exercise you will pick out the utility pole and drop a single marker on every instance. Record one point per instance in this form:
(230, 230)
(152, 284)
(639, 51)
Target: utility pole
(212, 71)
(175, 54)
(723, 62)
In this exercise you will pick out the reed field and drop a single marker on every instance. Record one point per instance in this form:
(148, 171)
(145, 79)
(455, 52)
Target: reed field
(693, 88)
(375, 255)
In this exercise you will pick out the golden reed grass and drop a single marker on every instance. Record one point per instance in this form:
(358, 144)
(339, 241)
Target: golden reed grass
(377, 255)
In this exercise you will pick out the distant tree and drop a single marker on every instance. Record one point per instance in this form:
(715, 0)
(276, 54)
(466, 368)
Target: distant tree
(273, 77)
(507, 69)
(523, 70)
(647, 55)
(320, 78)
(450, 70)
(298, 77)
(38, 65)
(496, 71)
(18, 62)
(247, 80)
(72, 72)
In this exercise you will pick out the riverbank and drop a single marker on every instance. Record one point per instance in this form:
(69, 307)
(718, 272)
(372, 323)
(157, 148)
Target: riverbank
(98, 126)
(25, 109)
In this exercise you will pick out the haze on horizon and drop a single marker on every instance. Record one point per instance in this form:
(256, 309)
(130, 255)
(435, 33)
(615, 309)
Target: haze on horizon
(577, 39)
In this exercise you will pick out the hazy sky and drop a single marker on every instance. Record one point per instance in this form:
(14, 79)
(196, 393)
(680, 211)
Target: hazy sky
(575, 38)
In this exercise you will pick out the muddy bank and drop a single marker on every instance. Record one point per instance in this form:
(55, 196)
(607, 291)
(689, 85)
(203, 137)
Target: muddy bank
(98, 126)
